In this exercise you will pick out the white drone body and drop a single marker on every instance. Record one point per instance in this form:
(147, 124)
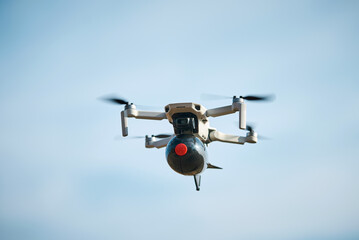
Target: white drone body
(186, 148)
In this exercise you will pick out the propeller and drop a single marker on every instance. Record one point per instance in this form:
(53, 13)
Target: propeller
(123, 101)
(115, 100)
(163, 135)
(258, 98)
(206, 96)
(251, 129)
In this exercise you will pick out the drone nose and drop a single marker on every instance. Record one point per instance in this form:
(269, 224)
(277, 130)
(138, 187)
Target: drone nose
(181, 149)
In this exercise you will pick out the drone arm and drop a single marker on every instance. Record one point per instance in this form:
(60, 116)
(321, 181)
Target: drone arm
(153, 142)
(238, 105)
(145, 114)
(216, 112)
(215, 135)
(133, 113)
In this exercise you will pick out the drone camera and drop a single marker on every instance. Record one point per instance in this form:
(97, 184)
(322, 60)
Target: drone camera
(184, 123)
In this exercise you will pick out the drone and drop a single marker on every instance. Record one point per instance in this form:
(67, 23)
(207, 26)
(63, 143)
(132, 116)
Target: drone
(186, 148)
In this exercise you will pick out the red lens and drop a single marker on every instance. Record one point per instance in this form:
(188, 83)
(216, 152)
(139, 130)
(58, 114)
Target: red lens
(181, 149)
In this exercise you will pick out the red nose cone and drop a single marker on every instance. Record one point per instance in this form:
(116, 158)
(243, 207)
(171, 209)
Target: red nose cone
(181, 149)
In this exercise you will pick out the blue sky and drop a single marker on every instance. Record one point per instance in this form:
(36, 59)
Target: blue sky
(64, 176)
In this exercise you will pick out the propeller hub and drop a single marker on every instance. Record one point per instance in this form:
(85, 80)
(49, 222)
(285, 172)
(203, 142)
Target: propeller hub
(235, 99)
(252, 134)
(130, 106)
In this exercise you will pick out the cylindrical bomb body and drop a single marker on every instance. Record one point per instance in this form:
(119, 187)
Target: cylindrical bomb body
(186, 155)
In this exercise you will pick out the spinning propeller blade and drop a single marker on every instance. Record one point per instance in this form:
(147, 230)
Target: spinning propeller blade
(250, 129)
(116, 100)
(206, 96)
(258, 98)
(122, 101)
(163, 135)
(138, 137)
